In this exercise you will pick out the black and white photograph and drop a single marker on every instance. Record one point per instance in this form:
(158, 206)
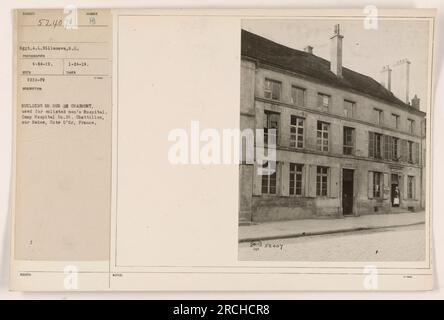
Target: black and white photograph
(339, 109)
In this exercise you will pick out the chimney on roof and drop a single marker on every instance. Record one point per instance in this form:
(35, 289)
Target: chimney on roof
(309, 49)
(336, 52)
(401, 80)
(386, 75)
(416, 102)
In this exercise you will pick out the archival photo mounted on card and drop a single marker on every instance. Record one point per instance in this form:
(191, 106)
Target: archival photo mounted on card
(234, 150)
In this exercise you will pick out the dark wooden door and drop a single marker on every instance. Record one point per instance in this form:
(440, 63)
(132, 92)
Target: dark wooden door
(347, 192)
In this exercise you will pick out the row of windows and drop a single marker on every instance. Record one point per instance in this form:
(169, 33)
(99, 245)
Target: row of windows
(273, 90)
(376, 187)
(376, 182)
(391, 148)
(380, 146)
(269, 181)
(394, 120)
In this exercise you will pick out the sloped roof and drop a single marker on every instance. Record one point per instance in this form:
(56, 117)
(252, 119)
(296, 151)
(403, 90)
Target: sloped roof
(301, 62)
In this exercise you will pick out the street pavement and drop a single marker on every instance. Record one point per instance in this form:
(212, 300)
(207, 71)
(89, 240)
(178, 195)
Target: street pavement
(405, 243)
(307, 227)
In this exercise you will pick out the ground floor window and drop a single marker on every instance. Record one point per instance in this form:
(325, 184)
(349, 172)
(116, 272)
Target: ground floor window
(296, 179)
(269, 180)
(377, 184)
(322, 181)
(410, 186)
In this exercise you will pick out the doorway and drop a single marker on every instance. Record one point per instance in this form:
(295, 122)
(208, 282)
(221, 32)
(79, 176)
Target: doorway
(347, 192)
(394, 190)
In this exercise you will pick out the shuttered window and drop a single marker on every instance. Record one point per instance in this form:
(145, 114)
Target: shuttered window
(410, 152)
(387, 147)
(349, 107)
(416, 153)
(377, 184)
(375, 145)
(272, 89)
(395, 121)
(411, 125)
(410, 187)
(324, 101)
(395, 149)
(298, 96)
(378, 116)
(404, 150)
(371, 144)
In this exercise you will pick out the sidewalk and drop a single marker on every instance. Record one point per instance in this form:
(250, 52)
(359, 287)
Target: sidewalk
(311, 227)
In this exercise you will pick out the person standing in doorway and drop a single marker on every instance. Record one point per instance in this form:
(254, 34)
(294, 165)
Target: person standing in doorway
(396, 197)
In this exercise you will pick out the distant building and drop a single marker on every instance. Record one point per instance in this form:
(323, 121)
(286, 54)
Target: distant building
(346, 145)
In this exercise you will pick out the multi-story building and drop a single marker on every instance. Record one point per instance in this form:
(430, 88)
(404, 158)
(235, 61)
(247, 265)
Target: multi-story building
(346, 145)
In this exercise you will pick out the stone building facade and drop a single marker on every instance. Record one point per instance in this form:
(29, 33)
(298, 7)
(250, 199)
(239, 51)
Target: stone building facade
(346, 145)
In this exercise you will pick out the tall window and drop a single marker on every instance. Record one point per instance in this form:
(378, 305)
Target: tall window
(322, 181)
(378, 139)
(269, 180)
(410, 186)
(296, 132)
(411, 125)
(378, 116)
(377, 180)
(298, 96)
(272, 89)
(296, 179)
(348, 140)
(322, 136)
(348, 108)
(374, 144)
(395, 149)
(324, 101)
(387, 149)
(410, 151)
(395, 121)
(271, 126)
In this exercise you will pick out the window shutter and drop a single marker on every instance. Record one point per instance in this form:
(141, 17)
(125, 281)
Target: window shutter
(257, 181)
(404, 150)
(285, 178)
(370, 185)
(385, 186)
(404, 186)
(416, 153)
(416, 189)
(304, 180)
(387, 147)
(334, 182)
(384, 147)
(310, 132)
(302, 97)
(371, 144)
(311, 183)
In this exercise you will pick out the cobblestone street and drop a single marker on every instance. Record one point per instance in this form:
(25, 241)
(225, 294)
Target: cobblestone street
(387, 244)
